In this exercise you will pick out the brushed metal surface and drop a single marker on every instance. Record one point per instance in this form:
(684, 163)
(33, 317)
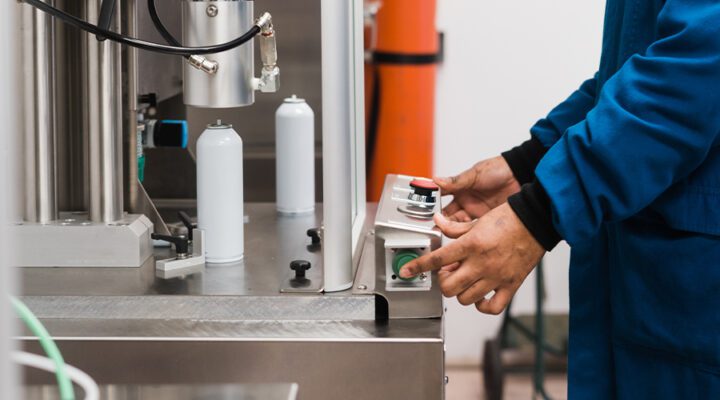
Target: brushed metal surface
(244, 290)
(204, 308)
(348, 370)
(232, 325)
(75, 241)
(268, 391)
(267, 330)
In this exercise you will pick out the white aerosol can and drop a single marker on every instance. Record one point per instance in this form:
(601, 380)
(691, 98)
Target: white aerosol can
(295, 157)
(220, 192)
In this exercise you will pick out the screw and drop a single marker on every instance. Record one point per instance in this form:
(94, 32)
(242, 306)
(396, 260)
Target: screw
(447, 380)
(362, 287)
(212, 10)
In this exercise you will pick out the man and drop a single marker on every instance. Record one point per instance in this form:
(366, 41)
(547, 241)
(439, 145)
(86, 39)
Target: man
(627, 171)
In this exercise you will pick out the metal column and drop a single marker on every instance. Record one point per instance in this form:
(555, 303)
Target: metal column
(103, 120)
(39, 116)
(336, 139)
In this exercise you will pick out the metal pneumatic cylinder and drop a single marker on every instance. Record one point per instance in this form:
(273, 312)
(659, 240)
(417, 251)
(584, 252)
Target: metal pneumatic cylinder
(216, 22)
(226, 79)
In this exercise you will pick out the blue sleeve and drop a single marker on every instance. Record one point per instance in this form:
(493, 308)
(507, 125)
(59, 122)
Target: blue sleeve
(571, 111)
(654, 123)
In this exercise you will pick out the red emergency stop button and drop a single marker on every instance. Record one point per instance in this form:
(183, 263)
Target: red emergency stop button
(424, 184)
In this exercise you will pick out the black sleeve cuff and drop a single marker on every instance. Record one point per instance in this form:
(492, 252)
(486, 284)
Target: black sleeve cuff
(524, 158)
(532, 206)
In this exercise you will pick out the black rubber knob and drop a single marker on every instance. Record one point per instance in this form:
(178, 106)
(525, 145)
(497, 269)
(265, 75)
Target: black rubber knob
(181, 243)
(314, 234)
(300, 266)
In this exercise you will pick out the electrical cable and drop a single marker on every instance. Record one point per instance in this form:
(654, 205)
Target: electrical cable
(48, 344)
(169, 38)
(139, 43)
(87, 383)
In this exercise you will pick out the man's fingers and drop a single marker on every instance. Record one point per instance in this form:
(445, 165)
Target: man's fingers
(457, 282)
(439, 258)
(475, 293)
(461, 216)
(458, 182)
(496, 304)
(450, 268)
(451, 208)
(452, 229)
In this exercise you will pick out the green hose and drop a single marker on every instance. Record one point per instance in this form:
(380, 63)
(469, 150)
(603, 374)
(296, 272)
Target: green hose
(51, 350)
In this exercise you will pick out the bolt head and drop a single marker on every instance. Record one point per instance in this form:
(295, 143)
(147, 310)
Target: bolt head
(211, 10)
(362, 287)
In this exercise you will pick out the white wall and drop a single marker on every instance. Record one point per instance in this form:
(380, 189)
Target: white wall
(507, 63)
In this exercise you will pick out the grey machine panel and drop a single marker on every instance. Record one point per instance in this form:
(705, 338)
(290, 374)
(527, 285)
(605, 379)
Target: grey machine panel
(231, 324)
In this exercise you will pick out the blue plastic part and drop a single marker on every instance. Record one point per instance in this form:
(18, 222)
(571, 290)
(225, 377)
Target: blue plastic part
(184, 129)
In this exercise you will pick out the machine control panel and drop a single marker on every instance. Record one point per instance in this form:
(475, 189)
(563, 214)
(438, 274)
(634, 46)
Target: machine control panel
(404, 228)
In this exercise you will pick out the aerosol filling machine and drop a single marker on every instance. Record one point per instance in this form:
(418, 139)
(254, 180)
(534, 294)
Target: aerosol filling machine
(330, 308)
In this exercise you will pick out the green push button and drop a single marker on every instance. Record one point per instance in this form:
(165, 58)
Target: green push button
(401, 258)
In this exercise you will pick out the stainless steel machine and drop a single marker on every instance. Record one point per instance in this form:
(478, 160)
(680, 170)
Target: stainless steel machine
(316, 303)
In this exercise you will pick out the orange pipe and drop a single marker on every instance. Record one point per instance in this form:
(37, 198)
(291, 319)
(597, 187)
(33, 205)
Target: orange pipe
(404, 136)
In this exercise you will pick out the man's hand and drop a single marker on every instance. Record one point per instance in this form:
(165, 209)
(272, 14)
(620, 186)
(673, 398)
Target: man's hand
(479, 189)
(495, 252)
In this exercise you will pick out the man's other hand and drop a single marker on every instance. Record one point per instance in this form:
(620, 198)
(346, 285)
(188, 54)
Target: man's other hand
(479, 189)
(493, 253)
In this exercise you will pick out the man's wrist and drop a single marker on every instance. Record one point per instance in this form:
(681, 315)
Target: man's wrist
(523, 159)
(534, 209)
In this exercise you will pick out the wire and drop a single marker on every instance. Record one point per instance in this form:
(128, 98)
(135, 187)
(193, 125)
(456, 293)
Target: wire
(159, 25)
(139, 43)
(88, 384)
(48, 345)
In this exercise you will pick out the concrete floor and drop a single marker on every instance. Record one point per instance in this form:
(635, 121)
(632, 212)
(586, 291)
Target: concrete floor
(466, 384)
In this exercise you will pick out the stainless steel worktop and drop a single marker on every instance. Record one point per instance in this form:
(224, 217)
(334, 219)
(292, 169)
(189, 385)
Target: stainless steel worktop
(231, 324)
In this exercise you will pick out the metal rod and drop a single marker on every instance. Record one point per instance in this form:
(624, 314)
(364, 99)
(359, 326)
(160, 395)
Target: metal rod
(103, 121)
(539, 369)
(130, 107)
(336, 149)
(39, 115)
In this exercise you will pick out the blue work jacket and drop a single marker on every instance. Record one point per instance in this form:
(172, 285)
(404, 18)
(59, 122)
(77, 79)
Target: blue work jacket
(633, 174)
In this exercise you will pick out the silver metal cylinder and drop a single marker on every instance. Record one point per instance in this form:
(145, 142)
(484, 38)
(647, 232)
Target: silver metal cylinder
(216, 22)
(39, 116)
(70, 136)
(337, 92)
(103, 120)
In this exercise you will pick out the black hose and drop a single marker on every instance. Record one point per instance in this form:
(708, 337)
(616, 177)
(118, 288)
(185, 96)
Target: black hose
(169, 38)
(139, 43)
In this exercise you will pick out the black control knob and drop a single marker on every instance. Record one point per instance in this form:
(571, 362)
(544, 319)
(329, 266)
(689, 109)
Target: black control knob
(300, 266)
(181, 243)
(314, 234)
